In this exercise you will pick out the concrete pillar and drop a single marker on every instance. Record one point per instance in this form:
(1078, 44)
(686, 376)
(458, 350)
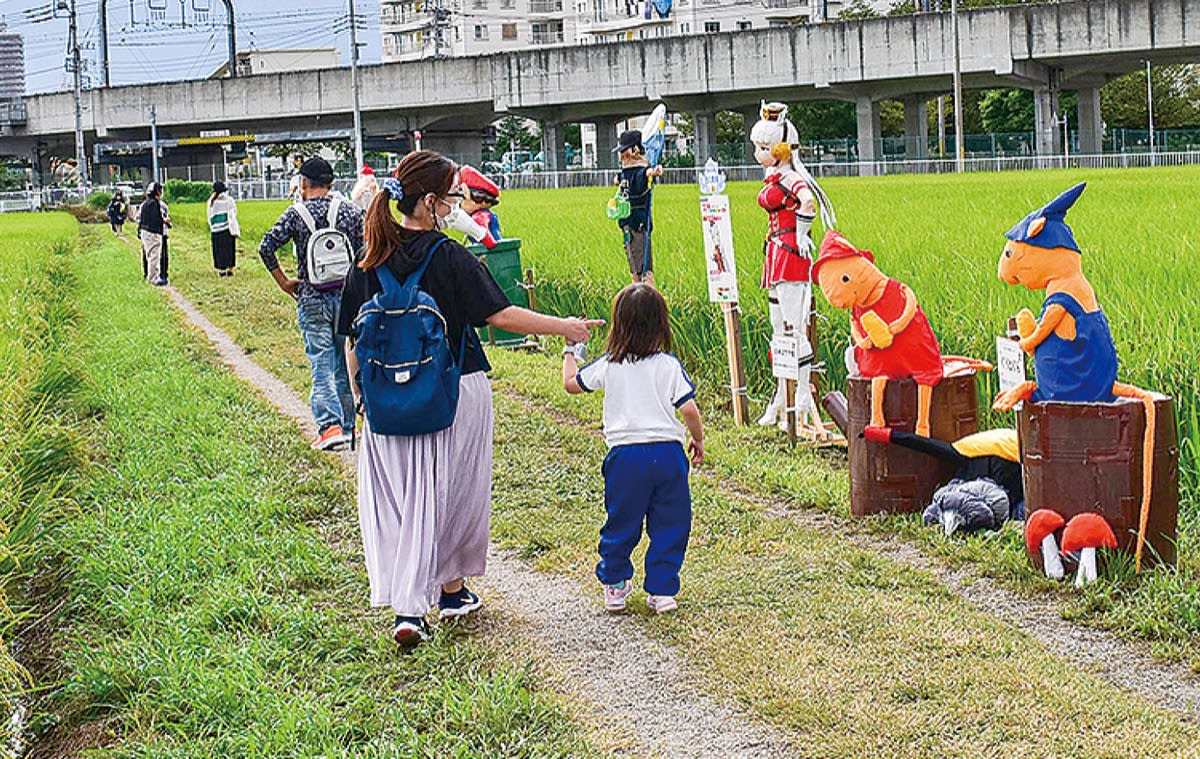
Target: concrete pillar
(750, 115)
(554, 145)
(869, 133)
(606, 140)
(1046, 133)
(705, 144)
(916, 127)
(1091, 125)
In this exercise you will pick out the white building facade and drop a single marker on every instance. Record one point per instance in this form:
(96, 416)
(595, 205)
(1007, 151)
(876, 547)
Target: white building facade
(417, 29)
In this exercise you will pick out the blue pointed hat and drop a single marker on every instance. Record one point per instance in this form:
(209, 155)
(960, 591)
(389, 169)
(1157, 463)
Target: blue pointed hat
(1047, 226)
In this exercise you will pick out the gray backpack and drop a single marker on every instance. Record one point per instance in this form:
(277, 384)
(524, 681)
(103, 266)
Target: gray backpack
(330, 253)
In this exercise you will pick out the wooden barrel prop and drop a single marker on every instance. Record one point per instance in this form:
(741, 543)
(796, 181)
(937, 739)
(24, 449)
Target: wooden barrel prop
(888, 479)
(1080, 457)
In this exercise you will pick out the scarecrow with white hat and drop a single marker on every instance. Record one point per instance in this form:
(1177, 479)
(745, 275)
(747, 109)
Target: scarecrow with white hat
(791, 197)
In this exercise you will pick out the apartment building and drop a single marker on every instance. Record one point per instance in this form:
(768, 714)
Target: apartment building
(417, 29)
(628, 20)
(12, 64)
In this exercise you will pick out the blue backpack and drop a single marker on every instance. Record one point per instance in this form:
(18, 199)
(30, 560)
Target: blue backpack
(408, 376)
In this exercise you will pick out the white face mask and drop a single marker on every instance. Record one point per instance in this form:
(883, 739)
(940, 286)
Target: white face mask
(443, 222)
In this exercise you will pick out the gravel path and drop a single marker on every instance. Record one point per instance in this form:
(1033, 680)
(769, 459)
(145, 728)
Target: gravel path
(627, 683)
(1126, 665)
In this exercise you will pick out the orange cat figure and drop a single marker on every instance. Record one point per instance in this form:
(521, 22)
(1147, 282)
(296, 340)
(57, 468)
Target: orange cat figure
(891, 334)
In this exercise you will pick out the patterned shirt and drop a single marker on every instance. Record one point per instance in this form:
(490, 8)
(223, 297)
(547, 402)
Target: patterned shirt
(291, 228)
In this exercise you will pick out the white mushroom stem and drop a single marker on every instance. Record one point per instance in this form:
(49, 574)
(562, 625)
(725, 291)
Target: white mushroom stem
(1087, 567)
(1050, 559)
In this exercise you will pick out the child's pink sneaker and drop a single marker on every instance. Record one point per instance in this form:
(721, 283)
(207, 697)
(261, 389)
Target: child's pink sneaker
(661, 604)
(615, 595)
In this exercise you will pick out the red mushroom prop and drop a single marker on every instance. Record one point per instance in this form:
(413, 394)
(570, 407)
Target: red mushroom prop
(1039, 535)
(1085, 533)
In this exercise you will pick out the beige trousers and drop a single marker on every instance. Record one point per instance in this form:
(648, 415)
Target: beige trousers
(152, 254)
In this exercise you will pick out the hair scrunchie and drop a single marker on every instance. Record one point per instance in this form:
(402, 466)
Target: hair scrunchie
(394, 188)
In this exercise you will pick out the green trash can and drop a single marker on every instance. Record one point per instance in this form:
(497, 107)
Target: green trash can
(504, 262)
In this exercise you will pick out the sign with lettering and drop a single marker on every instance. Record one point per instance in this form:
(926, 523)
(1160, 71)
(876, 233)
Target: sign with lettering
(718, 249)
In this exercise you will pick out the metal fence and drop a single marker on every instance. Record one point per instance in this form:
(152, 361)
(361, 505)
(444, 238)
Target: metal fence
(604, 177)
(277, 189)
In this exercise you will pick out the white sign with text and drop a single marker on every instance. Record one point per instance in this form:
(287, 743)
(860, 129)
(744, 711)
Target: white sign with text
(718, 249)
(1010, 363)
(785, 363)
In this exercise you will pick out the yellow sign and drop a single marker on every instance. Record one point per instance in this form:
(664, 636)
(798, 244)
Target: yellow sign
(216, 140)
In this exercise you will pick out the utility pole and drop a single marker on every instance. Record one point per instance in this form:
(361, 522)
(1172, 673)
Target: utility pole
(959, 138)
(359, 159)
(153, 145)
(77, 68)
(1150, 111)
(941, 106)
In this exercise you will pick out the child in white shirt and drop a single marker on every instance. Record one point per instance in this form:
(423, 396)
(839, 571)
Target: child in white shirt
(646, 469)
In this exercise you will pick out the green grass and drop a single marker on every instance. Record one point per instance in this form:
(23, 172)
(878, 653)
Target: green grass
(212, 597)
(40, 458)
(942, 235)
(851, 653)
(863, 656)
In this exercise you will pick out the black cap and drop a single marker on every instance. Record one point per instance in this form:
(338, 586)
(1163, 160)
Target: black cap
(219, 187)
(631, 138)
(318, 170)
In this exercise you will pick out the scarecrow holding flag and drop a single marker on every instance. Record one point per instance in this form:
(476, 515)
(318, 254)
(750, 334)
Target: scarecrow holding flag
(640, 150)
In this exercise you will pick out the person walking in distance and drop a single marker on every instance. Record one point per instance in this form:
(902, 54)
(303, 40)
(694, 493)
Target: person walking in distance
(118, 212)
(424, 499)
(327, 231)
(151, 228)
(223, 224)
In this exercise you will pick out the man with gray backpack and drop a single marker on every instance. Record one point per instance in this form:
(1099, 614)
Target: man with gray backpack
(327, 231)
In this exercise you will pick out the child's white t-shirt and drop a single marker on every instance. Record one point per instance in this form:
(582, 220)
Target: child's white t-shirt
(640, 398)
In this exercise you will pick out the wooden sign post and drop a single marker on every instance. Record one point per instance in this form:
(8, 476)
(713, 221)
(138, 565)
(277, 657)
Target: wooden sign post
(721, 270)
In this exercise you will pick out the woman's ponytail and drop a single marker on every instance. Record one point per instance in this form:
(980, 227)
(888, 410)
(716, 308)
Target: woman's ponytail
(381, 233)
(419, 174)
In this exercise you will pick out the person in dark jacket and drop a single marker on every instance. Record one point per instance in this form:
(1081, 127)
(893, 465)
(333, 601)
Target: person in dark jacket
(151, 231)
(118, 213)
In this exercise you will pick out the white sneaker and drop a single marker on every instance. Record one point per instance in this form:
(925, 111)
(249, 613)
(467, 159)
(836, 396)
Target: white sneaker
(615, 595)
(661, 604)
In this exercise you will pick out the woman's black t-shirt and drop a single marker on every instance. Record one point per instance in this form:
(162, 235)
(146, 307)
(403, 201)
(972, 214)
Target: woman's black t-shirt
(465, 291)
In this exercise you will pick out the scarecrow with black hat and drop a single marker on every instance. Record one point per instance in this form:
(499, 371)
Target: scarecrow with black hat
(636, 185)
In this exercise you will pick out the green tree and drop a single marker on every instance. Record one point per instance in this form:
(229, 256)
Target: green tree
(1176, 99)
(516, 133)
(858, 9)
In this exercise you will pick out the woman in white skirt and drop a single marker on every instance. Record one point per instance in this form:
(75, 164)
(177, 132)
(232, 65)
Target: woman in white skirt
(424, 501)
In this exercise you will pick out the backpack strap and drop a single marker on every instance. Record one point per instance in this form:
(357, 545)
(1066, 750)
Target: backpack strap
(306, 216)
(335, 203)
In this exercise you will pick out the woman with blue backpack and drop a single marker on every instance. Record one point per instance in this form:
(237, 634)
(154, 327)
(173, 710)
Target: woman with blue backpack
(411, 304)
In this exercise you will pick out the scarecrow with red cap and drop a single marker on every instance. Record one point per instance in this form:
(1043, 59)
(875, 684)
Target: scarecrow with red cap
(891, 335)
(366, 188)
(480, 196)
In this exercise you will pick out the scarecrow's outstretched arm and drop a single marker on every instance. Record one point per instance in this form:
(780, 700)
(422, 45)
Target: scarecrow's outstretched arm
(1006, 400)
(1049, 322)
(910, 310)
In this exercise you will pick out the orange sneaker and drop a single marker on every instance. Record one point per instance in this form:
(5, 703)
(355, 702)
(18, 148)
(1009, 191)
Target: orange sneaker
(331, 438)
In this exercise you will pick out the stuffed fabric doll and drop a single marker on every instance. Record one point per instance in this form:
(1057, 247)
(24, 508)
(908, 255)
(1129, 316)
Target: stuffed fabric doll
(1074, 357)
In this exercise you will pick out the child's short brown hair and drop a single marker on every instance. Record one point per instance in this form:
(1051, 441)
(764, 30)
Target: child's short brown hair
(641, 325)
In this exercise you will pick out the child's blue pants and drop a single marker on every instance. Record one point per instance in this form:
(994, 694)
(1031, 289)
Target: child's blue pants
(646, 482)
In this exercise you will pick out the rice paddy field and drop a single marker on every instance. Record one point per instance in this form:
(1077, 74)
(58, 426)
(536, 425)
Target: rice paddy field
(942, 235)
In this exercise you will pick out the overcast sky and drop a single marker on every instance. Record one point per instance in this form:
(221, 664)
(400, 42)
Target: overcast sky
(146, 50)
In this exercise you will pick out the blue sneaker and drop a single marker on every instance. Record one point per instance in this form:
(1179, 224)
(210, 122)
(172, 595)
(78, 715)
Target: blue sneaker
(410, 631)
(458, 604)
